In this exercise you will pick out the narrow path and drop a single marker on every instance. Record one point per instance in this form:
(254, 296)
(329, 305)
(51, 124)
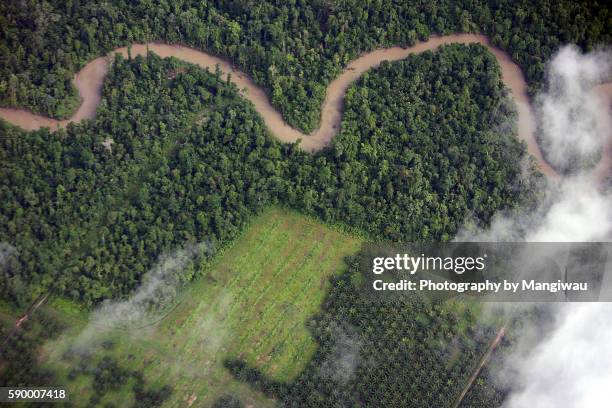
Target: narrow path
(33, 308)
(89, 84)
(500, 335)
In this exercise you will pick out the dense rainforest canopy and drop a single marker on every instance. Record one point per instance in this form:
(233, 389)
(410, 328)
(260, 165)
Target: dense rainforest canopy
(177, 156)
(190, 160)
(291, 48)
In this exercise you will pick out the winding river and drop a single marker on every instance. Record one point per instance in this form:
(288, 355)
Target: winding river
(90, 79)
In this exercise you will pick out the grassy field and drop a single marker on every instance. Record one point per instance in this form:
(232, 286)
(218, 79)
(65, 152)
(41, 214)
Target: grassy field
(252, 303)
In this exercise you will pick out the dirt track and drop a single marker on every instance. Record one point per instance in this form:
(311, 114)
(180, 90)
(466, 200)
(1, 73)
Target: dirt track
(484, 360)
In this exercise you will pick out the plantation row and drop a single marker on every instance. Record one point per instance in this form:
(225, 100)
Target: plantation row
(383, 352)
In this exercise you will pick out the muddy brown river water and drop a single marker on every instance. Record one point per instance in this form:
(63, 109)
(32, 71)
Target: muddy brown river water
(89, 84)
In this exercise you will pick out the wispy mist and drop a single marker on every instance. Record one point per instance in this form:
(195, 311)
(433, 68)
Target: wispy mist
(567, 360)
(570, 367)
(573, 123)
(341, 364)
(154, 296)
(6, 251)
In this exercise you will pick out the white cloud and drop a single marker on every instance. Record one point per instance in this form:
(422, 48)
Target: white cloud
(573, 123)
(572, 366)
(569, 364)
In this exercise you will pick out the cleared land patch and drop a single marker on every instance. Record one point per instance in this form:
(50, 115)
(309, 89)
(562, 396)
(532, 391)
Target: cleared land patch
(251, 303)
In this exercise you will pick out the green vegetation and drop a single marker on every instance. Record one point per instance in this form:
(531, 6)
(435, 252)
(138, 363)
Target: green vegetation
(251, 312)
(252, 302)
(293, 49)
(425, 143)
(192, 162)
(19, 359)
(484, 391)
(393, 351)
